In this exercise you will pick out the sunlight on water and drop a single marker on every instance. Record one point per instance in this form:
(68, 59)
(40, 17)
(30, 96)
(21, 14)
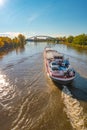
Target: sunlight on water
(73, 110)
(31, 101)
(6, 91)
(21, 117)
(3, 85)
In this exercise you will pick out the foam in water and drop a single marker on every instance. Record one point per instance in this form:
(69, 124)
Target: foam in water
(73, 110)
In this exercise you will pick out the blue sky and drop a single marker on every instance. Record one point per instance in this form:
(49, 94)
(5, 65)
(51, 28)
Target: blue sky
(45, 17)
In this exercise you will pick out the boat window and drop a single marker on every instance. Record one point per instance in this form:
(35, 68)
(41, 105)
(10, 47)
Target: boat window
(54, 68)
(58, 57)
(54, 63)
(63, 64)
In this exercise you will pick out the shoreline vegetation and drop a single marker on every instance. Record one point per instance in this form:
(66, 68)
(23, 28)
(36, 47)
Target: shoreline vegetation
(79, 41)
(7, 43)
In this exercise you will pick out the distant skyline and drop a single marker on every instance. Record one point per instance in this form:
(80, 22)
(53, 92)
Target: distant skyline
(42, 17)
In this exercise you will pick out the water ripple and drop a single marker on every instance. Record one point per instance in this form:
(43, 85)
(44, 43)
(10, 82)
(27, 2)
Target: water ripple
(7, 91)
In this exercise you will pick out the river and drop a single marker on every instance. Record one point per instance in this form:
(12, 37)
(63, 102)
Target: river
(29, 100)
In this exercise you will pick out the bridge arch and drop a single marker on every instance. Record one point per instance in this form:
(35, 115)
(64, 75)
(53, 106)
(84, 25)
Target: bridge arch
(40, 37)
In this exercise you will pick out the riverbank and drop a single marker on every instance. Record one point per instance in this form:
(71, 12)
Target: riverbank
(76, 45)
(7, 43)
(73, 45)
(79, 46)
(79, 41)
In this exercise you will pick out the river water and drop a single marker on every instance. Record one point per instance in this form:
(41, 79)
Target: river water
(29, 100)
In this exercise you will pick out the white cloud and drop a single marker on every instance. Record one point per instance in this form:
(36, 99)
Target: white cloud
(10, 34)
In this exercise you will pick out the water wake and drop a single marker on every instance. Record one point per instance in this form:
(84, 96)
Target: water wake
(73, 110)
(30, 113)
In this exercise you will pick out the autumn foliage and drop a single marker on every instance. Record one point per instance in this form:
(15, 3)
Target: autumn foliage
(7, 43)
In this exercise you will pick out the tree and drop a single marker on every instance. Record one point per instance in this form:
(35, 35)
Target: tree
(70, 39)
(80, 39)
(21, 39)
(15, 42)
(1, 44)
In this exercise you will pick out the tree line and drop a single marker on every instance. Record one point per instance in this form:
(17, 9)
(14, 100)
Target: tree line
(8, 43)
(79, 40)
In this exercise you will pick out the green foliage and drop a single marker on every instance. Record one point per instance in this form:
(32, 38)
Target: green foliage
(70, 39)
(61, 39)
(21, 39)
(80, 39)
(7, 43)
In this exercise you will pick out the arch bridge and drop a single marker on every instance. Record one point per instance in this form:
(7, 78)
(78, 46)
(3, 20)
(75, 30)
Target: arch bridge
(40, 38)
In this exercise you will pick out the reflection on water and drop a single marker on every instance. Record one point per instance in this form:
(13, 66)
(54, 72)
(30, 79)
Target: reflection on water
(20, 49)
(79, 50)
(31, 101)
(7, 52)
(6, 91)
